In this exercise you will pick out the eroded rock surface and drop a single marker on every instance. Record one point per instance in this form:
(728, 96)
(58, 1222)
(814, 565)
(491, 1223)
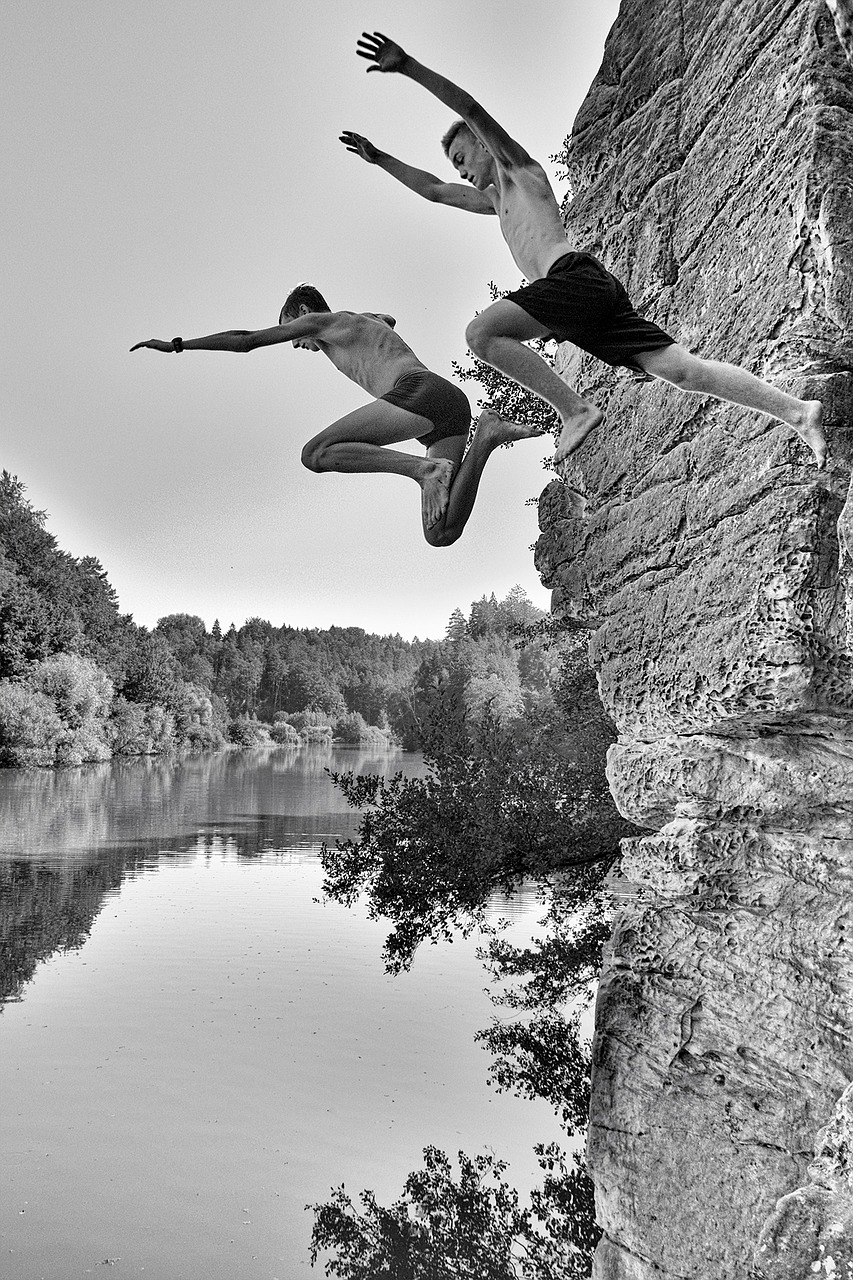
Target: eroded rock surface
(712, 165)
(810, 1232)
(842, 12)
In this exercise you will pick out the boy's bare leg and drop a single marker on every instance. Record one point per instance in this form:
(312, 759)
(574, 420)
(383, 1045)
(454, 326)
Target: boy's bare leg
(729, 382)
(359, 442)
(491, 432)
(497, 335)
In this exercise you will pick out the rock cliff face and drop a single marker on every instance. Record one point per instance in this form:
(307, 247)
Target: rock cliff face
(712, 165)
(842, 11)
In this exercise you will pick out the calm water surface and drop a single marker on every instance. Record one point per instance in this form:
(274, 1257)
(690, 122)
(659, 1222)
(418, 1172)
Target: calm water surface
(192, 1046)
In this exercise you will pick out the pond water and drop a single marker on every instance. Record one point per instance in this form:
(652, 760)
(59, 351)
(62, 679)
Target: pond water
(193, 1045)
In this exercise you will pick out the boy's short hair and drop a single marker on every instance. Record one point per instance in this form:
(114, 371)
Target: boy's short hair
(447, 140)
(306, 293)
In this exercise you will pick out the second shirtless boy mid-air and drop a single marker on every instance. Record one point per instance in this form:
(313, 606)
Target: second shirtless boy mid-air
(571, 297)
(411, 403)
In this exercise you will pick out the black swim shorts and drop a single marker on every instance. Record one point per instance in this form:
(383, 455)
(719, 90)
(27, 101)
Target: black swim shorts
(435, 398)
(580, 301)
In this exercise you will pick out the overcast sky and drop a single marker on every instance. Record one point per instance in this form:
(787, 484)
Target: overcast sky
(174, 168)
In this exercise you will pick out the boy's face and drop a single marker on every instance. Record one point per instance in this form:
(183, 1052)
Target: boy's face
(304, 344)
(471, 160)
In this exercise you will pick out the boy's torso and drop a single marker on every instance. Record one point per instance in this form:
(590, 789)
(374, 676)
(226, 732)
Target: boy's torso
(530, 218)
(368, 351)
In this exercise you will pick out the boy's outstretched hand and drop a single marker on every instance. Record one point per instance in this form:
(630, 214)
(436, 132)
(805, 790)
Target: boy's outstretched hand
(382, 52)
(156, 345)
(355, 142)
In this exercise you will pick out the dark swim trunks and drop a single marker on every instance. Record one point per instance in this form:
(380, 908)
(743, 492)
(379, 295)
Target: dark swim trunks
(581, 302)
(435, 398)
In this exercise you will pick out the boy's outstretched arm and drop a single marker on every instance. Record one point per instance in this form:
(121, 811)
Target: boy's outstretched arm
(243, 339)
(418, 180)
(387, 56)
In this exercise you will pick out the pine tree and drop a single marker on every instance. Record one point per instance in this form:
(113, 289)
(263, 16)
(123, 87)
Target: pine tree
(457, 626)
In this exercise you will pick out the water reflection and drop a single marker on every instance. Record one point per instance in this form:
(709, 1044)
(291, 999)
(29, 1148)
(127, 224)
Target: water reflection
(69, 837)
(193, 1046)
(162, 803)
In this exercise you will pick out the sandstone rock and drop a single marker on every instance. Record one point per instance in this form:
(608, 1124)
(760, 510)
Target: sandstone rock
(811, 1231)
(842, 12)
(784, 781)
(722, 1037)
(712, 169)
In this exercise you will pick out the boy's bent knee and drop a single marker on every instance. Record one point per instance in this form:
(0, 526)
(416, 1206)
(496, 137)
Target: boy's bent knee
(678, 366)
(687, 370)
(478, 335)
(438, 536)
(312, 456)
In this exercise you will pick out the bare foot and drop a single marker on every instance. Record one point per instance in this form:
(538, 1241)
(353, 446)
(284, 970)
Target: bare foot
(435, 484)
(493, 430)
(575, 431)
(811, 431)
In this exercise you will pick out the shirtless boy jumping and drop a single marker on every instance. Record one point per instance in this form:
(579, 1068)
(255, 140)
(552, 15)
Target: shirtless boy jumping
(411, 404)
(572, 297)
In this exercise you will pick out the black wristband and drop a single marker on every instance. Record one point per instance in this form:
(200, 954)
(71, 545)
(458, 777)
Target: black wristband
(177, 344)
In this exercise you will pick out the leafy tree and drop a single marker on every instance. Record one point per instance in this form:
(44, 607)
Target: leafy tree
(80, 690)
(517, 611)
(30, 728)
(307, 686)
(448, 1228)
(485, 617)
(501, 801)
(492, 680)
(104, 631)
(283, 732)
(247, 732)
(271, 688)
(159, 727)
(152, 672)
(186, 636)
(32, 551)
(352, 728)
(78, 607)
(127, 729)
(244, 671)
(81, 694)
(199, 722)
(27, 632)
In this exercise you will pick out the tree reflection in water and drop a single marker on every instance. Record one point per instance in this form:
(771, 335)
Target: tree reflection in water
(70, 837)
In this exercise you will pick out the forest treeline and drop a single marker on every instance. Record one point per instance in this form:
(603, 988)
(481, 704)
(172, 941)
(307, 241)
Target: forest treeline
(81, 681)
